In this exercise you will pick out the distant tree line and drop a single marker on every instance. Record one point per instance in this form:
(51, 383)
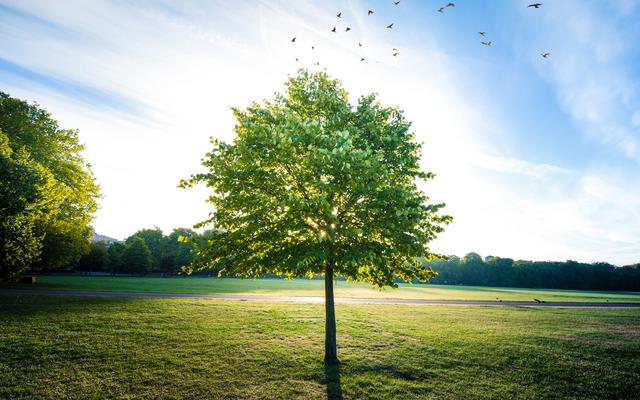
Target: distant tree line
(506, 272)
(147, 250)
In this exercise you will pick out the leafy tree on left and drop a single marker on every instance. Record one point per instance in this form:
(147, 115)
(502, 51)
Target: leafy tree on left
(26, 202)
(48, 194)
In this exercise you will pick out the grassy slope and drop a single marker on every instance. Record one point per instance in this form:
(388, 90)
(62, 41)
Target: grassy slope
(65, 347)
(306, 287)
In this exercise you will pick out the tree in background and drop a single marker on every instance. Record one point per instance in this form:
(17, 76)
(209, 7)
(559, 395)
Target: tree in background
(97, 260)
(136, 258)
(201, 243)
(474, 267)
(505, 272)
(178, 250)
(314, 185)
(116, 254)
(155, 241)
(61, 234)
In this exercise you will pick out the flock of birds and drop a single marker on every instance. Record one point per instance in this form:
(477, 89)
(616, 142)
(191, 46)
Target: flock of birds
(489, 43)
(334, 29)
(394, 51)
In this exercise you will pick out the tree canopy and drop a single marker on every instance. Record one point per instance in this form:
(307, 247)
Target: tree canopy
(312, 184)
(136, 257)
(310, 178)
(25, 204)
(49, 194)
(155, 241)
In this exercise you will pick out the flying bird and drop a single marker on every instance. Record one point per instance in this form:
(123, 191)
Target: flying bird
(334, 29)
(369, 12)
(489, 43)
(359, 44)
(395, 52)
(293, 40)
(362, 59)
(348, 29)
(535, 5)
(396, 2)
(296, 59)
(482, 33)
(339, 15)
(313, 47)
(441, 9)
(390, 26)
(545, 55)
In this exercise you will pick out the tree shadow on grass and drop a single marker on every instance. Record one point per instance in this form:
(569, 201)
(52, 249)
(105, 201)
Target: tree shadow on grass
(332, 377)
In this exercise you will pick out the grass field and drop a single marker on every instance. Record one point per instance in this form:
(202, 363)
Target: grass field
(306, 287)
(70, 347)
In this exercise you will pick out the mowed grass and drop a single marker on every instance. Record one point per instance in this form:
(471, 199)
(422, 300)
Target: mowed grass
(307, 287)
(60, 347)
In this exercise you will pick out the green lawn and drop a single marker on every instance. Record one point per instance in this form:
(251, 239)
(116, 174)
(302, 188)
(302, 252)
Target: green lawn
(306, 287)
(70, 347)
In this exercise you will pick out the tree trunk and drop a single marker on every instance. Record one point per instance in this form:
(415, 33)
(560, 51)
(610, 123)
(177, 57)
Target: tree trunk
(330, 348)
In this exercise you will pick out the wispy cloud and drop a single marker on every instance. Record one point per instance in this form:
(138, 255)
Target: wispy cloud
(591, 70)
(147, 83)
(75, 92)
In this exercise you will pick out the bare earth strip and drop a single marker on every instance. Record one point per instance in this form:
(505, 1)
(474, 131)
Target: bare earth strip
(301, 299)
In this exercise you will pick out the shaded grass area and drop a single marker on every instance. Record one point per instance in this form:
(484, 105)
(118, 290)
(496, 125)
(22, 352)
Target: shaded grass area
(306, 287)
(71, 347)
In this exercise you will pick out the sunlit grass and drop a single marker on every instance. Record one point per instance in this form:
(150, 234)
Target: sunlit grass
(68, 347)
(306, 287)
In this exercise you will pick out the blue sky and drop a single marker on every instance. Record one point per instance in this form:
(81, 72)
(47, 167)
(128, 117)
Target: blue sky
(536, 158)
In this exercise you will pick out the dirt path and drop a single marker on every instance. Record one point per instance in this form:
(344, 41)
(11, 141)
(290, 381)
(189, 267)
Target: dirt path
(297, 299)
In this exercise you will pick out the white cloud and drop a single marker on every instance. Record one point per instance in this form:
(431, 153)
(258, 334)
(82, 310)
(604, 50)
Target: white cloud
(589, 68)
(185, 67)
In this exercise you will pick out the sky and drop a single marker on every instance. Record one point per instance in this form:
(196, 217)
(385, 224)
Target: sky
(536, 158)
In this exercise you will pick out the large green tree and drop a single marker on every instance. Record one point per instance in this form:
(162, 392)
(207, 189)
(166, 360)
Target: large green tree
(28, 200)
(315, 185)
(36, 138)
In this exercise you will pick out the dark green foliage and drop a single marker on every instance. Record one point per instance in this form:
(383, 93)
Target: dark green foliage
(178, 251)
(97, 260)
(155, 241)
(167, 254)
(497, 271)
(48, 191)
(136, 258)
(116, 253)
